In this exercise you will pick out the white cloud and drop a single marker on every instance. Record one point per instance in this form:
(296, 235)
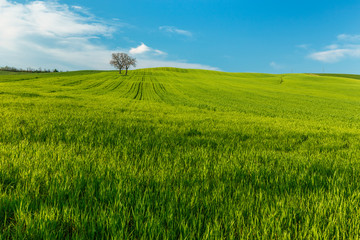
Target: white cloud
(330, 56)
(171, 29)
(143, 49)
(48, 34)
(3, 2)
(77, 7)
(339, 51)
(348, 37)
(140, 49)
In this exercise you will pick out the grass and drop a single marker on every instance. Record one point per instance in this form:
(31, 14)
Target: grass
(179, 154)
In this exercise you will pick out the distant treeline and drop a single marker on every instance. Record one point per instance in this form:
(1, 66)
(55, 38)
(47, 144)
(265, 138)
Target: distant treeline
(30, 70)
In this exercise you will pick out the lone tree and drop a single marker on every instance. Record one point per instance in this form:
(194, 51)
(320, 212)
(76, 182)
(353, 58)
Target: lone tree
(117, 60)
(129, 61)
(121, 61)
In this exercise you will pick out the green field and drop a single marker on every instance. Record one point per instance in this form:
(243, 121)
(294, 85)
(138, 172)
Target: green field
(179, 154)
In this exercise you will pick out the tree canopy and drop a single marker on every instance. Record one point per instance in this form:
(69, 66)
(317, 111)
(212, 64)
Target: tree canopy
(121, 61)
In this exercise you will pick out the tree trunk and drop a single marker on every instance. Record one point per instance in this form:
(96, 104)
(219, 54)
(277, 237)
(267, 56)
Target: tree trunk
(126, 71)
(119, 70)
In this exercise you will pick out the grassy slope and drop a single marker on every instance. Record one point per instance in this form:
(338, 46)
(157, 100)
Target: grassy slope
(352, 76)
(174, 153)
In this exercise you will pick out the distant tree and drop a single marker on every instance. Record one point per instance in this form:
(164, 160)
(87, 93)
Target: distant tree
(118, 60)
(122, 61)
(129, 61)
(30, 70)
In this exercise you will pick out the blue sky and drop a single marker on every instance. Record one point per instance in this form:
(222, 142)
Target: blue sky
(236, 36)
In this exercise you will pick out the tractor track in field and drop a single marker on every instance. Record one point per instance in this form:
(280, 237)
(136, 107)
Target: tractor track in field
(73, 83)
(116, 85)
(95, 85)
(139, 89)
(131, 89)
(159, 90)
(110, 86)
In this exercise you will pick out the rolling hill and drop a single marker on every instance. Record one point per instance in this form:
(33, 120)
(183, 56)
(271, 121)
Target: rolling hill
(179, 153)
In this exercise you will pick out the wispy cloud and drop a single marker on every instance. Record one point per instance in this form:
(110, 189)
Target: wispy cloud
(349, 37)
(347, 46)
(174, 30)
(303, 46)
(77, 7)
(276, 66)
(150, 63)
(335, 55)
(49, 34)
(332, 46)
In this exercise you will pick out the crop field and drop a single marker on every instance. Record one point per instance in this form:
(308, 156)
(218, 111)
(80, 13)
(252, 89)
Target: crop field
(172, 153)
